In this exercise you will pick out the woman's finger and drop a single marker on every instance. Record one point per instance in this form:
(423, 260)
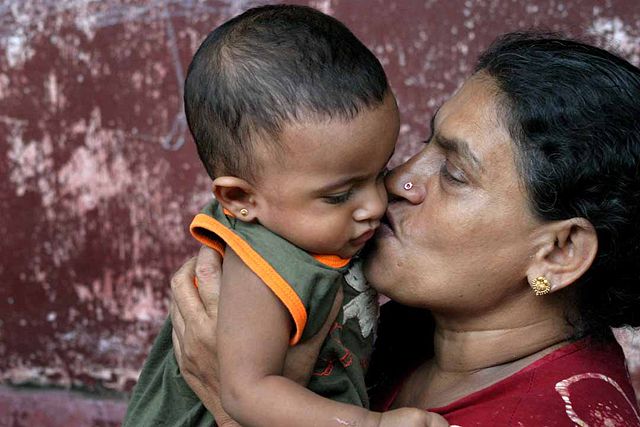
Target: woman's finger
(177, 348)
(177, 321)
(184, 293)
(208, 271)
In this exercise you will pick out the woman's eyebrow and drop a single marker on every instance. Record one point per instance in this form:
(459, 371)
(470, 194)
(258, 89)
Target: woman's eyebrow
(454, 145)
(461, 148)
(432, 122)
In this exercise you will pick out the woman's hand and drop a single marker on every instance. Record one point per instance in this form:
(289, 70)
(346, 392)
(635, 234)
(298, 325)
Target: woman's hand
(194, 313)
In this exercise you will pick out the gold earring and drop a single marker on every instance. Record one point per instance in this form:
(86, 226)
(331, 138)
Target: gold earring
(244, 212)
(541, 286)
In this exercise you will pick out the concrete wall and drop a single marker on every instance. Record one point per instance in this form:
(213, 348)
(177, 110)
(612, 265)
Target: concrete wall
(99, 178)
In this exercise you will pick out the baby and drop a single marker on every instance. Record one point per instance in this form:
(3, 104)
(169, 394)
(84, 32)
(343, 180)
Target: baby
(294, 121)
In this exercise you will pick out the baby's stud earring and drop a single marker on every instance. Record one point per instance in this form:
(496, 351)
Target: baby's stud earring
(244, 212)
(408, 185)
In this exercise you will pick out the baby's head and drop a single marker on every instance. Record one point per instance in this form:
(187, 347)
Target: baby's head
(294, 121)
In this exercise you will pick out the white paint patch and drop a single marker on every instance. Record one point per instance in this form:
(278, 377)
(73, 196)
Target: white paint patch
(114, 378)
(17, 50)
(324, 6)
(4, 86)
(29, 162)
(532, 8)
(86, 20)
(96, 171)
(55, 96)
(616, 35)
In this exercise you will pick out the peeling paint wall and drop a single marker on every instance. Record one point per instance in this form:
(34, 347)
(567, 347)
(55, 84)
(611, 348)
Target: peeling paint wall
(99, 178)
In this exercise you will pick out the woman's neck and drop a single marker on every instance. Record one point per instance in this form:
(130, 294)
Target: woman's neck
(467, 360)
(473, 351)
(529, 327)
(469, 350)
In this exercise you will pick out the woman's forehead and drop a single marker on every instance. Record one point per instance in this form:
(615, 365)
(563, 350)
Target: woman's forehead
(468, 125)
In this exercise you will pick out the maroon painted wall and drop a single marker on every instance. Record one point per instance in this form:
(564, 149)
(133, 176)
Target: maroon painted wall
(99, 178)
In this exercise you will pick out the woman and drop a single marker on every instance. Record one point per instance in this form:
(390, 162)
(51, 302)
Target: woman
(516, 228)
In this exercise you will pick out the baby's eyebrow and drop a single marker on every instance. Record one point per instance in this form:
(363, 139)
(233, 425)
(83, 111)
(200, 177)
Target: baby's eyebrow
(337, 184)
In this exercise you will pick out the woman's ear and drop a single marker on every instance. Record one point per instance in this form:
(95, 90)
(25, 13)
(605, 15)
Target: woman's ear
(237, 196)
(569, 248)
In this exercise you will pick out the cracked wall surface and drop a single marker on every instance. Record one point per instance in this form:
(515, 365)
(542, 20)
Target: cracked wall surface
(99, 177)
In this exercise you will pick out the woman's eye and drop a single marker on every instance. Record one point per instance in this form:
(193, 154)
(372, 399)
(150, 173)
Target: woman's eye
(336, 199)
(444, 171)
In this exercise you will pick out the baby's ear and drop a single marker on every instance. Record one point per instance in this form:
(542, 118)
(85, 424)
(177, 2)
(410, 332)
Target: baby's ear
(237, 196)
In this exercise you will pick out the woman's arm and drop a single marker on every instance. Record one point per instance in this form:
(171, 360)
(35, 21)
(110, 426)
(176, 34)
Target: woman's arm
(194, 314)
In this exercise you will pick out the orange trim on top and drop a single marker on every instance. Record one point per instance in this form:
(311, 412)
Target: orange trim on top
(258, 265)
(217, 245)
(333, 261)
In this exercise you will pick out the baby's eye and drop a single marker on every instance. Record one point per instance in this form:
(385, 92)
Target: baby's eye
(337, 199)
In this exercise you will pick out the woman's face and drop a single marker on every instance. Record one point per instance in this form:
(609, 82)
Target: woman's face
(460, 238)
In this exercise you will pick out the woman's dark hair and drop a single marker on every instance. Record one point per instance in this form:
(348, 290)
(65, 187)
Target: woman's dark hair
(573, 111)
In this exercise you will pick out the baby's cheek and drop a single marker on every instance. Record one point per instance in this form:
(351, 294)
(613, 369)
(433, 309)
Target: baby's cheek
(314, 235)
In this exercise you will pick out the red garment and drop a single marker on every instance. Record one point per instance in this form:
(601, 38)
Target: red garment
(580, 384)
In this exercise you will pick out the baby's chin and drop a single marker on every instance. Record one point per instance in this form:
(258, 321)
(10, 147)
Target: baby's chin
(346, 254)
(352, 252)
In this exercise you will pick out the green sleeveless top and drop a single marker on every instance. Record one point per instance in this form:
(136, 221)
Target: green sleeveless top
(306, 285)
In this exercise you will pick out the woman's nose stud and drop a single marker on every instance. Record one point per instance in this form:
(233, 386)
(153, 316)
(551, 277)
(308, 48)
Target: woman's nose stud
(408, 185)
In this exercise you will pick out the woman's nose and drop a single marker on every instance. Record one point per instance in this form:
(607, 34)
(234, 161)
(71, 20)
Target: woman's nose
(406, 182)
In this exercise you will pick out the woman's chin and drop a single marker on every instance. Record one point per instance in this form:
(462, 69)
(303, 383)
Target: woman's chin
(376, 267)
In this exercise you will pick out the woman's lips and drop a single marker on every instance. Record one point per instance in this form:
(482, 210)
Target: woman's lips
(363, 238)
(384, 230)
(389, 218)
(386, 226)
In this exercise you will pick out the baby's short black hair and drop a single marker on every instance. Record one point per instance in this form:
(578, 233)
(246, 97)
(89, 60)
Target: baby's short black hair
(269, 67)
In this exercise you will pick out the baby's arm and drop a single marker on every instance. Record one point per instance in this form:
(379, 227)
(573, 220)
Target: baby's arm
(253, 336)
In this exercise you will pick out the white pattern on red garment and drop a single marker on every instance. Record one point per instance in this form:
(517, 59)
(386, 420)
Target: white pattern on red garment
(363, 307)
(605, 413)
